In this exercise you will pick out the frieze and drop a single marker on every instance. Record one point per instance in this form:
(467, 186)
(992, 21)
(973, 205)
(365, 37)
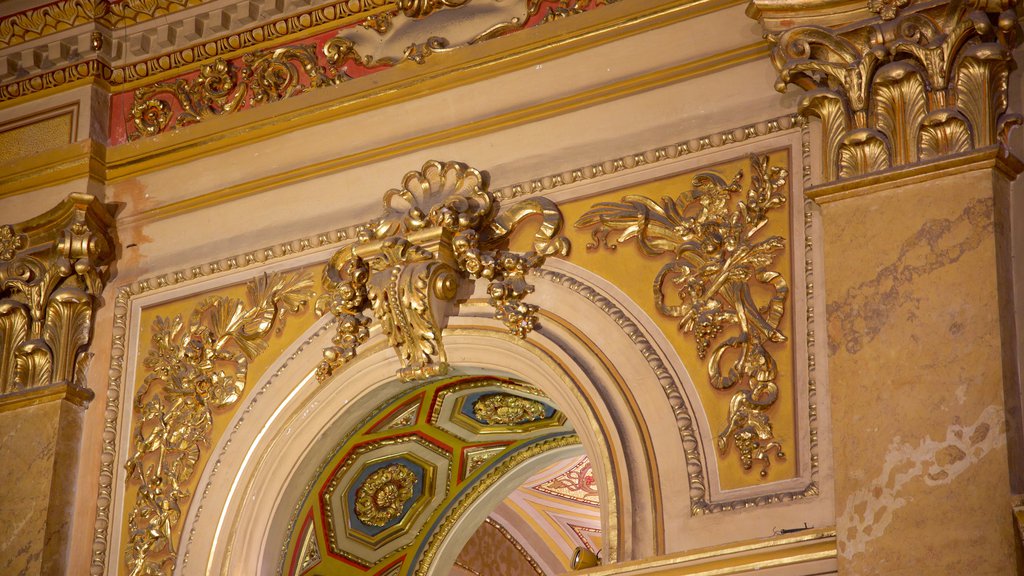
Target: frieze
(99, 51)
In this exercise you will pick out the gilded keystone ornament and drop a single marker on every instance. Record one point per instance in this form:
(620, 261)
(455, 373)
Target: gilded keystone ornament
(441, 231)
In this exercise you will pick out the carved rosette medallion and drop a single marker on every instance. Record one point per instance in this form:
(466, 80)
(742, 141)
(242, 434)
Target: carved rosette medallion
(440, 232)
(506, 409)
(382, 496)
(921, 85)
(730, 300)
(52, 272)
(197, 369)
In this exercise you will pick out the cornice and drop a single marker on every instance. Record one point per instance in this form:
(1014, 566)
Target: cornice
(995, 158)
(101, 46)
(83, 159)
(459, 68)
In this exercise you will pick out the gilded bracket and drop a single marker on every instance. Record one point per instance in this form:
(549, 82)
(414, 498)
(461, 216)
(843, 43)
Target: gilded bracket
(408, 266)
(908, 88)
(52, 272)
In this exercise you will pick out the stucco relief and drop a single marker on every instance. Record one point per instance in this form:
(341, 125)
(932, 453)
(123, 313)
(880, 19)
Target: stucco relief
(705, 501)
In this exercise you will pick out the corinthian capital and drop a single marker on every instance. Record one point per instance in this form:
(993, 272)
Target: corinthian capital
(52, 271)
(907, 84)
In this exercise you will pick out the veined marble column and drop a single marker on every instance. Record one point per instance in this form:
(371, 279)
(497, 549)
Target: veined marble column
(52, 271)
(913, 184)
(919, 369)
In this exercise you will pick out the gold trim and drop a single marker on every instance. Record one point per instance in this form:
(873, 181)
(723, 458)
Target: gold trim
(736, 558)
(433, 543)
(120, 169)
(993, 157)
(34, 396)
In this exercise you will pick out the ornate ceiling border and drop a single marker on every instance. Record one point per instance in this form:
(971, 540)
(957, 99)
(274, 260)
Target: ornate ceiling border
(67, 14)
(95, 46)
(309, 249)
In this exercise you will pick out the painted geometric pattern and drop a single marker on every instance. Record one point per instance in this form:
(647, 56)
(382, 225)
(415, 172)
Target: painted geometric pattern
(398, 475)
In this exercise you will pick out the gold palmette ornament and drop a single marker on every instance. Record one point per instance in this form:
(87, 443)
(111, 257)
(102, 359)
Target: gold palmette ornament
(197, 368)
(718, 256)
(441, 231)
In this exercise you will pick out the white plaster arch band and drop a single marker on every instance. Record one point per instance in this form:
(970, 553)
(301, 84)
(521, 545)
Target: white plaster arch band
(290, 423)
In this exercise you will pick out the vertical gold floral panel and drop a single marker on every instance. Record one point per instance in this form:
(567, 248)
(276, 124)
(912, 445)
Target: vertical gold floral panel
(198, 358)
(706, 255)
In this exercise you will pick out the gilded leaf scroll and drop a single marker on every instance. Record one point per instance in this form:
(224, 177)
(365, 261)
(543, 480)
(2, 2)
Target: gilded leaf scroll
(721, 269)
(197, 368)
(442, 230)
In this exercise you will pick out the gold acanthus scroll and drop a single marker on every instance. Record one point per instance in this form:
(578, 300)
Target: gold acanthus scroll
(718, 256)
(408, 266)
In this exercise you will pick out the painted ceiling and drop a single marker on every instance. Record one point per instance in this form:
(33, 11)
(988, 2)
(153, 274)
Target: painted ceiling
(386, 498)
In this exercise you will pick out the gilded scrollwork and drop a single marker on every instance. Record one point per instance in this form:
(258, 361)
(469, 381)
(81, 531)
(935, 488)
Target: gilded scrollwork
(221, 87)
(382, 496)
(196, 369)
(912, 87)
(52, 272)
(721, 267)
(440, 231)
(507, 409)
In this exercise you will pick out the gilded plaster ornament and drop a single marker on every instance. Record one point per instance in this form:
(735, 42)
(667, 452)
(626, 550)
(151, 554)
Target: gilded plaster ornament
(721, 267)
(52, 271)
(507, 409)
(197, 369)
(10, 243)
(920, 86)
(886, 9)
(441, 231)
(382, 496)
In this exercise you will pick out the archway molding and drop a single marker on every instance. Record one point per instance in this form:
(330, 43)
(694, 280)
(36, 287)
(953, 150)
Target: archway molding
(290, 423)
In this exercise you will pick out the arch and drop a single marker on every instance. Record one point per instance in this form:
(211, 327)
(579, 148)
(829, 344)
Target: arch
(290, 423)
